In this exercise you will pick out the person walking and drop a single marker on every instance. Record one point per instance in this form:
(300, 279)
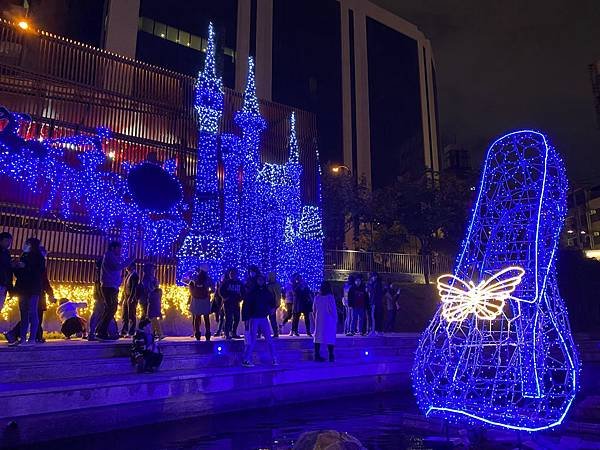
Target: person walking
(200, 288)
(6, 269)
(376, 308)
(258, 304)
(152, 295)
(15, 333)
(358, 300)
(231, 292)
(29, 271)
(325, 312)
(110, 282)
(275, 288)
(302, 306)
(129, 301)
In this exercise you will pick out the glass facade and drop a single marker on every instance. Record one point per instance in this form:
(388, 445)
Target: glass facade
(171, 34)
(394, 104)
(307, 69)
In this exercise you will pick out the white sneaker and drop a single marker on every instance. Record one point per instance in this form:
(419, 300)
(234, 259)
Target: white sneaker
(247, 364)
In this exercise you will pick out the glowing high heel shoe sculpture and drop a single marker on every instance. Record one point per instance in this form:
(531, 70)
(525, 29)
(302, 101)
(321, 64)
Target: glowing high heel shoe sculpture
(499, 349)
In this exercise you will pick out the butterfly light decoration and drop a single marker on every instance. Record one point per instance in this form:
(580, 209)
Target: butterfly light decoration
(486, 300)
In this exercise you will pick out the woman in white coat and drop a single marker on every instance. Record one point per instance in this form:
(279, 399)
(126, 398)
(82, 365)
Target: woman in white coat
(325, 312)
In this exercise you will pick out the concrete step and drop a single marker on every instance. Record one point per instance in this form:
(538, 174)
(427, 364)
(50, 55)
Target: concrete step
(14, 372)
(77, 350)
(47, 397)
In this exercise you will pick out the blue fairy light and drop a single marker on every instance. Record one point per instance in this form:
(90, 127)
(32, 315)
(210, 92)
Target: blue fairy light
(499, 350)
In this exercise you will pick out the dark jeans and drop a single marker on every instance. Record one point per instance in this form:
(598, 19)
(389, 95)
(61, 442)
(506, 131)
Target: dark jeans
(329, 350)
(15, 332)
(128, 312)
(273, 322)
(110, 297)
(358, 321)
(30, 321)
(197, 321)
(390, 322)
(289, 313)
(220, 319)
(232, 318)
(296, 322)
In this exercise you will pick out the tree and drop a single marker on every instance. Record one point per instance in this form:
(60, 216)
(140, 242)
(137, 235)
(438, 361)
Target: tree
(345, 203)
(432, 209)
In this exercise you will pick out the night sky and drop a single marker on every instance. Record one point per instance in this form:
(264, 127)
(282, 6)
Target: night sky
(510, 64)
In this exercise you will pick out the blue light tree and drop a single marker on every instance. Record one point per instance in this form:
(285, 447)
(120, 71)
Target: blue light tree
(310, 245)
(232, 161)
(252, 125)
(499, 350)
(204, 242)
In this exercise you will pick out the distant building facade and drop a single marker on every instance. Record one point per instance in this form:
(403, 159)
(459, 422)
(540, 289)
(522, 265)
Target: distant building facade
(582, 228)
(457, 160)
(595, 75)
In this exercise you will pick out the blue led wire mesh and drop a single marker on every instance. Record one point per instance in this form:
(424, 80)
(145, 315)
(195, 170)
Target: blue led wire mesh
(499, 349)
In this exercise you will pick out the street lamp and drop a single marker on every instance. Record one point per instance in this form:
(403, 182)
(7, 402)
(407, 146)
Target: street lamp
(338, 169)
(23, 25)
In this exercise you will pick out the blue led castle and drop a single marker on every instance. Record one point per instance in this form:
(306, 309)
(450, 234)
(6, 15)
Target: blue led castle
(254, 216)
(262, 221)
(499, 350)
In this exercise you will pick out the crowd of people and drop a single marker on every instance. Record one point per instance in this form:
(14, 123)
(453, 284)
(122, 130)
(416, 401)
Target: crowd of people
(368, 307)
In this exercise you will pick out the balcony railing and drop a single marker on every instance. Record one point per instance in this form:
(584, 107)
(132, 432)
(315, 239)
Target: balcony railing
(349, 261)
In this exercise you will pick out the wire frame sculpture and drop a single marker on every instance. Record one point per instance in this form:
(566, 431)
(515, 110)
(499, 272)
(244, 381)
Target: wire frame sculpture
(499, 349)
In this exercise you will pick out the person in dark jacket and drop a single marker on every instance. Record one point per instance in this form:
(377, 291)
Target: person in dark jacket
(259, 303)
(216, 308)
(110, 282)
(145, 353)
(6, 270)
(200, 287)
(15, 333)
(302, 306)
(98, 308)
(375, 312)
(275, 288)
(29, 272)
(358, 300)
(231, 291)
(129, 301)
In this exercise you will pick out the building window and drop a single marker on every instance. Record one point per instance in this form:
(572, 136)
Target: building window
(147, 25)
(173, 34)
(196, 42)
(178, 36)
(160, 29)
(184, 38)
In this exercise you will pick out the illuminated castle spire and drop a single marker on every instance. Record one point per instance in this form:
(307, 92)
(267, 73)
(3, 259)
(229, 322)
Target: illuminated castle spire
(252, 125)
(209, 92)
(203, 244)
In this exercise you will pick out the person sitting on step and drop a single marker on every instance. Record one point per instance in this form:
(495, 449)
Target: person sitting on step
(145, 353)
(71, 323)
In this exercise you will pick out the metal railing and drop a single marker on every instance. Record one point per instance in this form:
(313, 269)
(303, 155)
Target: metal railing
(349, 261)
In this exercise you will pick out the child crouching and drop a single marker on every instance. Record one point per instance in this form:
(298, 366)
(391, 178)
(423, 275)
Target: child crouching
(145, 354)
(71, 322)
